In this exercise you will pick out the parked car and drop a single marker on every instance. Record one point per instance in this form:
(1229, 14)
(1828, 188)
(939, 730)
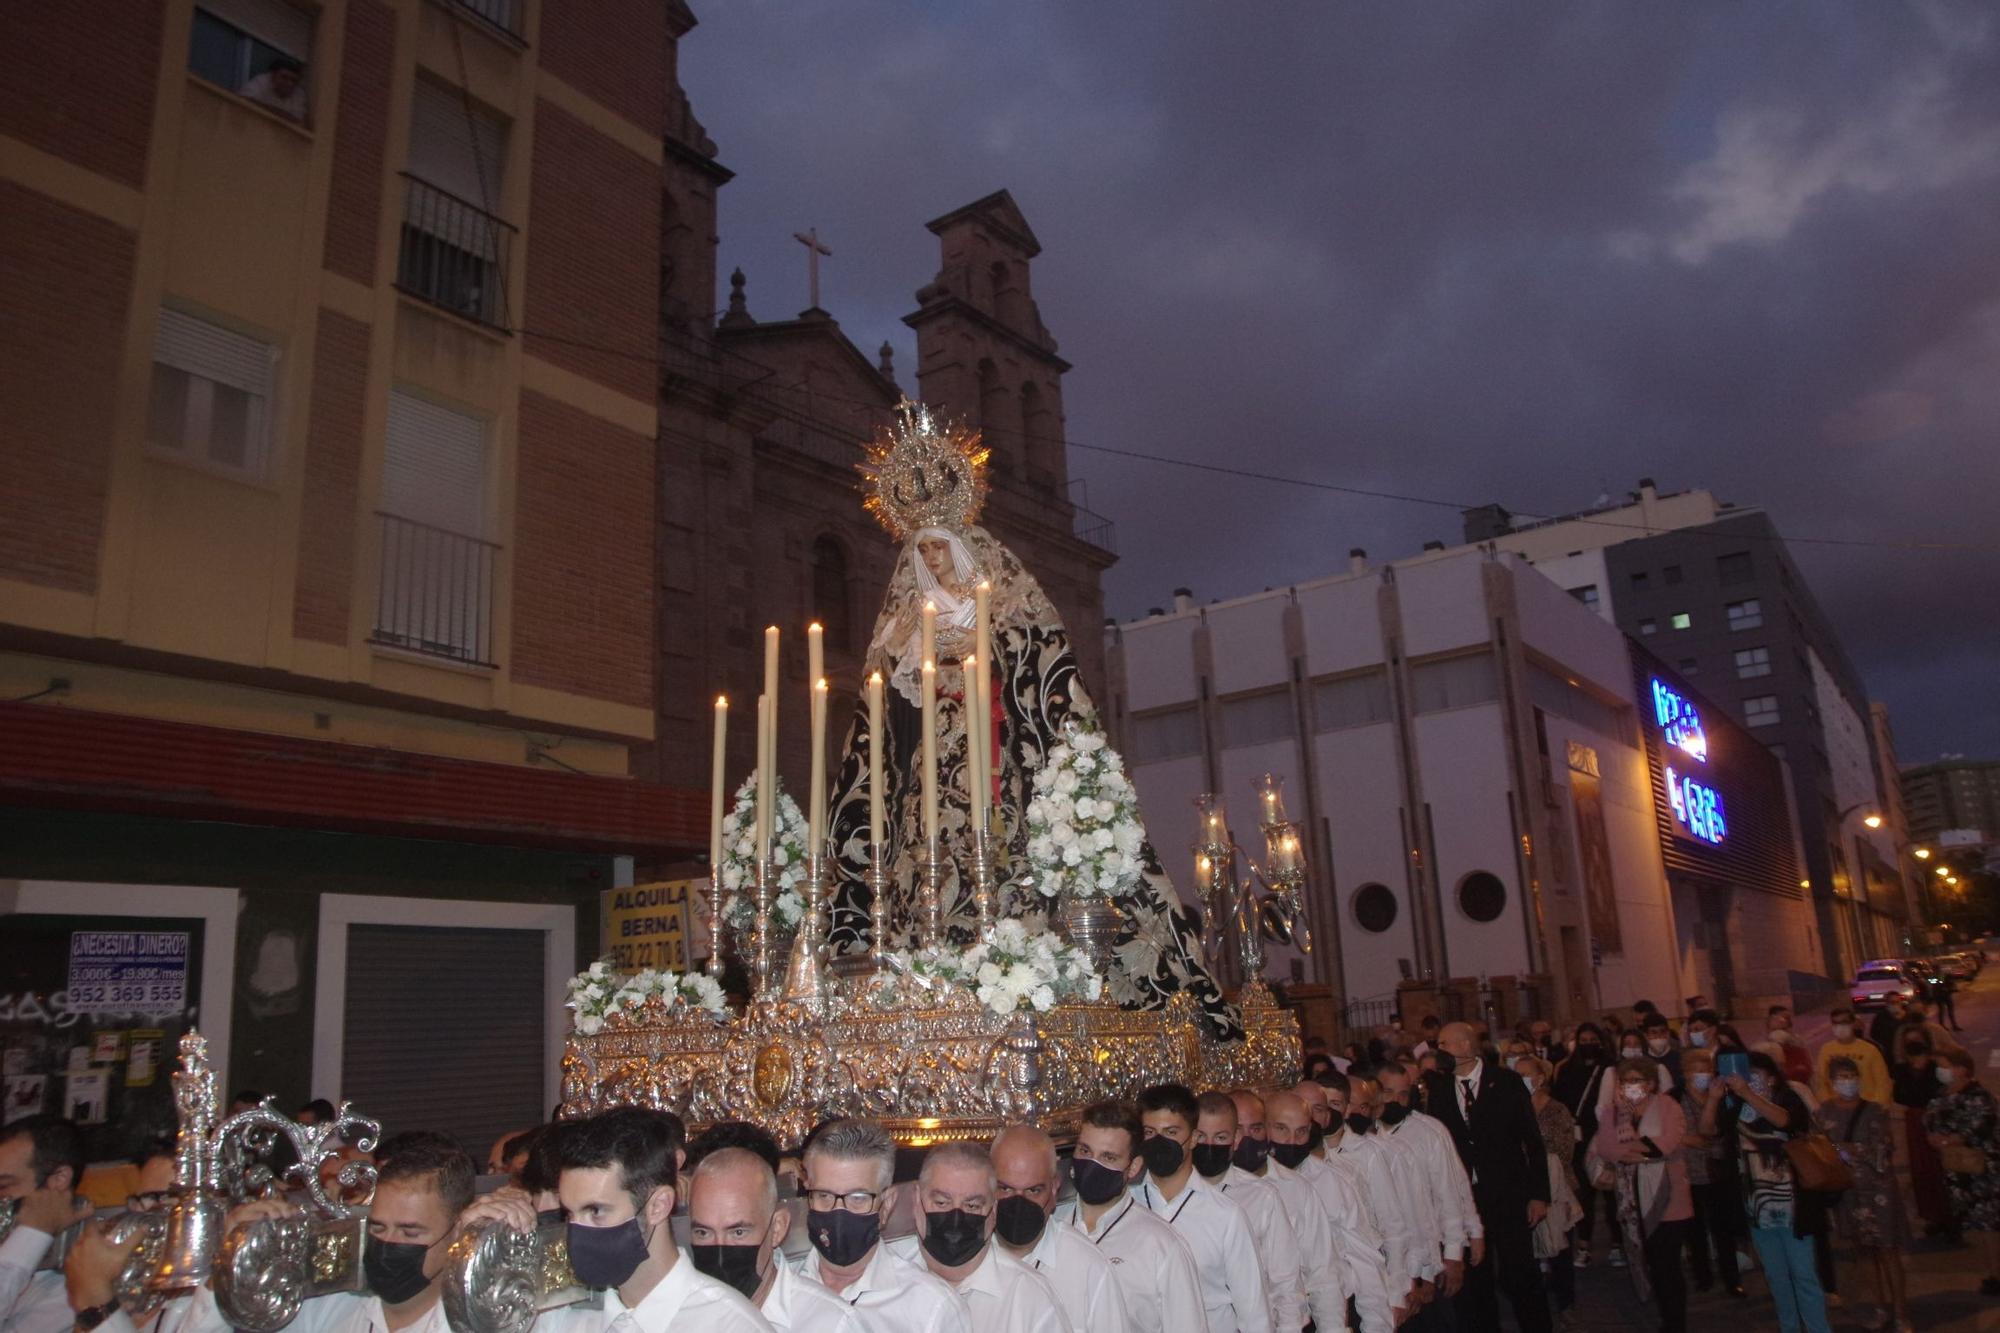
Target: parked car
(1875, 982)
(1964, 964)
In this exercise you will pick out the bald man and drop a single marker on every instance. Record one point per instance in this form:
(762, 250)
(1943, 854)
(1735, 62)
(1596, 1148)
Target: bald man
(736, 1229)
(1366, 1158)
(1438, 1182)
(1322, 1271)
(957, 1191)
(1218, 1138)
(1024, 1164)
(1493, 1125)
(1357, 1238)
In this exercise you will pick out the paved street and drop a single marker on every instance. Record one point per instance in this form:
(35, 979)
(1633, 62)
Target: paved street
(1943, 1290)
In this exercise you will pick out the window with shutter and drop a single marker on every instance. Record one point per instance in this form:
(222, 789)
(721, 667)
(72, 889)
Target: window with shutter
(454, 244)
(436, 588)
(211, 398)
(456, 146)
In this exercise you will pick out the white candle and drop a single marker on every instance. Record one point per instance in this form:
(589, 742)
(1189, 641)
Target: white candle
(929, 686)
(976, 749)
(763, 775)
(768, 762)
(875, 797)
(982, 625)
(815, 651)
(816, 821)
(716, 782)
(930, 632)
(982, 631)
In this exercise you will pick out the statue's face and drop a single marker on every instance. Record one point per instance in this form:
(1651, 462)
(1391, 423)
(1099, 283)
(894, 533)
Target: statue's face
(937, 555)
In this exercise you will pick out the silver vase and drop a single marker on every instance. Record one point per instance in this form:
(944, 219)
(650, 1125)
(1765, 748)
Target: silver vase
(1092, 925)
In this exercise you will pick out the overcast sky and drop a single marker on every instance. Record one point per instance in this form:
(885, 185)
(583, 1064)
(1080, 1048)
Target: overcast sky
(1524, 252)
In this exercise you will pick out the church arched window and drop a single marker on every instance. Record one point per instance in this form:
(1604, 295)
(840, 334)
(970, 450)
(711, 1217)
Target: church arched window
(830, 594)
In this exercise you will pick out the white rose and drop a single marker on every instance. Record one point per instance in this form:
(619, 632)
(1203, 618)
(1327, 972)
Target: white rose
(1065, 783)
(1126, 837)
(1072, 855)
(1089, 741)
(589, 1024)
(1043, 998)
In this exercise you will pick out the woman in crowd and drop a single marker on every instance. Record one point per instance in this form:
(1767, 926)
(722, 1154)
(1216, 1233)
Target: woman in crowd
(1513, 1051)
(1641, 1139)
(1552, 1236)
(1576, 1084)
(1870, 1214)
(1964, 1125)
(1711, 1168)
(1765, 1112)
(1915, 1079)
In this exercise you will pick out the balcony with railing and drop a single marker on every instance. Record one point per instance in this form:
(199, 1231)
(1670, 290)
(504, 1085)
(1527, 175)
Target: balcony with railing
(502, 14)
(435, 592)
(454, 254)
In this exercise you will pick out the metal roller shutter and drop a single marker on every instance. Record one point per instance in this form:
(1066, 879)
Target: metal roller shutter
(444, 1030)
(434, 465)
(457, 153)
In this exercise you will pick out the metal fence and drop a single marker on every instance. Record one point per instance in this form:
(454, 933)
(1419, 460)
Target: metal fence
(435, 592)
(454, 254)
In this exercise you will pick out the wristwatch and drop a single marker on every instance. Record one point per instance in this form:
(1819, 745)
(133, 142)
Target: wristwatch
(95, 1315)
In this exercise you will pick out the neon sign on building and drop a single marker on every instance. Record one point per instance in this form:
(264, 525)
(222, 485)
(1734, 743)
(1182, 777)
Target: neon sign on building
(1697, 806)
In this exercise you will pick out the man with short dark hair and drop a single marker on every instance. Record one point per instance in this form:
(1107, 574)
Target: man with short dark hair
(1029, 1179)
(735, 1229)
(734, 1134)
(956, 1194)
(281, 87)
(41, 1166)
(1662, 1049)
(1322, 1272)
(1232, 1277)
(1436, 1184)
(1155, 1269)
(1356, 1151)
(1218, 1136)
(850, 1169)
(1296, 1144)
(618, 1185)
(1849, 1044)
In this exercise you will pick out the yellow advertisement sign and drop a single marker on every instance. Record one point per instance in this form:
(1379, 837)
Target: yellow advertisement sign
(648, 925)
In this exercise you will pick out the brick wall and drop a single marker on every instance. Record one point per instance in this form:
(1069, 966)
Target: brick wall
(65, 279)
(583, 555)
(80, 85)
(333, 477)
(593, 254)
(614, 51)
(361, 133)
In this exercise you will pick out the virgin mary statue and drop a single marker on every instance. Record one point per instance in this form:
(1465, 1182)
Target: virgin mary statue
(927, 483)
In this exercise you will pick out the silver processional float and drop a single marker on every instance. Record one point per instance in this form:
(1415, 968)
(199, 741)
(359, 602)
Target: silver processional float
(260, 1273)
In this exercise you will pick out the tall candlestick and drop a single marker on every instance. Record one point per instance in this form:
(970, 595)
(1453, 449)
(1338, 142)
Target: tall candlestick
(930, 632)
(767, 762)
(875, 797)
(982, 625)
(977, 751)
(929, 686)
(764, 793)
(982, 634)
(716, 780)
(816, 820)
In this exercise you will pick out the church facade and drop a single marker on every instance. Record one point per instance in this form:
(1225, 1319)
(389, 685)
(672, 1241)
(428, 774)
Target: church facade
(762, 424)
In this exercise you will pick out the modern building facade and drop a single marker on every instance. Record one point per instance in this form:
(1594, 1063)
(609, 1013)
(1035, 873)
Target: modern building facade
(327, 546)
(1710, 589)
(1480, 774)
(1956, 796)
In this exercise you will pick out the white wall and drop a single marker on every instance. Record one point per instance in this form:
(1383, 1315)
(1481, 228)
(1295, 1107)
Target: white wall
(1575, 571)
(1359, 797)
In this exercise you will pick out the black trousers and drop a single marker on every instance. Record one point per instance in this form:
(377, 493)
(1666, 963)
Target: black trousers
(1510, 1268)
(1663, 1268)
(1711, 1237)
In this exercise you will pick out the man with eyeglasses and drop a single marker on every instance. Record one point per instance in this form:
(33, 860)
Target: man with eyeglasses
(1155, 1268)
(735, 1229)
(1024, 1164)
(849, 1168)
(956, 1193)
(1232, 1277)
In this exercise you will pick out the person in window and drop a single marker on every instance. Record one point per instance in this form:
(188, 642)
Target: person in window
(282, 87)
(1870, 1214)
(1766, 1113)
(1964, 1125)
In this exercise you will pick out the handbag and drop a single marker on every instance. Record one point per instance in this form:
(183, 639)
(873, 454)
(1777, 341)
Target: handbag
(1816, 1165)
(1962, 1159)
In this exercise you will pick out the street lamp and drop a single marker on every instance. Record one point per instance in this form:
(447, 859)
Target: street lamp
(1921, 853)
(1944, 872)
(1872, 820)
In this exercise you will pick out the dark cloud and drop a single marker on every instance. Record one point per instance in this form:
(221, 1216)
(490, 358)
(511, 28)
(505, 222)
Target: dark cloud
(1473, 251)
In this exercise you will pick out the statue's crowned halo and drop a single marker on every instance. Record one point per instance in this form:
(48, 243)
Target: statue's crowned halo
(926, 485)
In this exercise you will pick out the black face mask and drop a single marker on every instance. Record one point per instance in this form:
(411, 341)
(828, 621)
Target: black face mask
(1589, 1051)
(1360, 1124)
(1019, 1220)
(606, 1256)
(1162, 1155)
(1250, 1154)
(1211, 1159)
(1315, 1137)
(551, 1217)
(842, 1238)
(394, 1269)
(1393, 1113)
(1095, 1182)
(953, 1236)
(734, 1264)
(1290, 1155)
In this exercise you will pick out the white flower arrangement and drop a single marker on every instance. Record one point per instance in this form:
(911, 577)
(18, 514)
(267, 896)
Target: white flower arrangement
(738, 871)
(1084, 835)
(599, 992)
(1007, 970)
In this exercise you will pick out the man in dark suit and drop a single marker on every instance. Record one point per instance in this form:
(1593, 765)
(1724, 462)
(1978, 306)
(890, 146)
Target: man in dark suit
(1493, 1124)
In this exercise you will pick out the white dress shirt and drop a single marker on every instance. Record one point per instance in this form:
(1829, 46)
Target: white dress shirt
(31, 1301)
(1225, 1256)
(1413, 1192)
(1322, 1271)
(894, 1295)
(1277, 1245)
(684, 1301)
(1085, 1281)
(1155, 1269)
(1002, 1294)
(1356, 1237)
(1447, 1180)
(1367, 1162)
(797, 1304)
